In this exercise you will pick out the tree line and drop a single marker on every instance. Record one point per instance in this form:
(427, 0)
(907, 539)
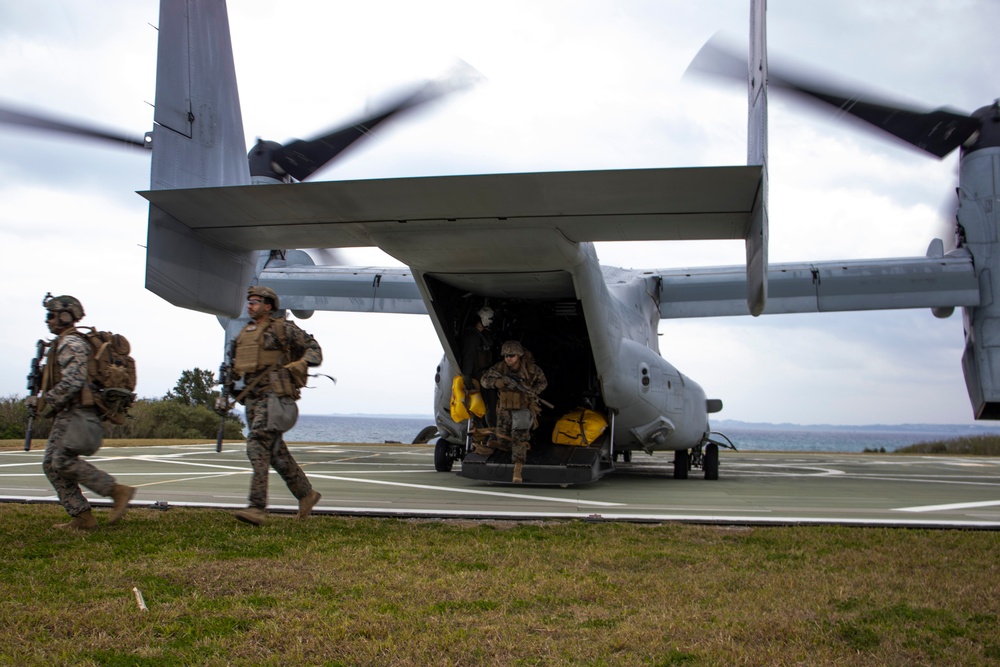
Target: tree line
(186, 411)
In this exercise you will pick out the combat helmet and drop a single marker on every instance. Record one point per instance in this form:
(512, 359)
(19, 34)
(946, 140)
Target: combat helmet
(512, 347)
(265, 293)
(485, 316)
(64, 304)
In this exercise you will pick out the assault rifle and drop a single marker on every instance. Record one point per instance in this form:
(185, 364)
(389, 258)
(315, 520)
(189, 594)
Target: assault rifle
(226, 380)
(524, 390)
(34, 386)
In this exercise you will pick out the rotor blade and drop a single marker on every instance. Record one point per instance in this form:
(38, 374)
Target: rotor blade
(302, 158)
(937, 131)
(46, 123)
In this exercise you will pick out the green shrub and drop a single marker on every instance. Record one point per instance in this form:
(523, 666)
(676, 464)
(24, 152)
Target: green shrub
(14, 420)
(976, 445)
(156, 418)
(148, 418)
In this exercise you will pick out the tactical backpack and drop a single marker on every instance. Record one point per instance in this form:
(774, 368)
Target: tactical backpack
(110, 374)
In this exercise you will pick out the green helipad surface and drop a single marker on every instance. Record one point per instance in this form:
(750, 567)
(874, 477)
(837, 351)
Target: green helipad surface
(400, 480)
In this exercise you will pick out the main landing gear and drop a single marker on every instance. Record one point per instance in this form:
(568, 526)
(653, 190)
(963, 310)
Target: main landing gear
(445, 454)
(704, 456)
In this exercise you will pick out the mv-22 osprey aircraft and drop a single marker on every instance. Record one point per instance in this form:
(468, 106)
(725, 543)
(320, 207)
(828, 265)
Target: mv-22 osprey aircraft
(523, 245)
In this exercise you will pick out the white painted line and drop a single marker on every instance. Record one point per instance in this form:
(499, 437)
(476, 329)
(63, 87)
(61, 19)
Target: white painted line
(154, 459)
(199, 477)
(952, 506)
(479, 492)
(960, 481)
(753, 468)
(207, 473)
(422, 471)
(724, 519)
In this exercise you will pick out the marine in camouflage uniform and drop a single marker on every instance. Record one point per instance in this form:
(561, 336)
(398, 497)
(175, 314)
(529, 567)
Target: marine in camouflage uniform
(518, 381)
(272, 357)
(477, 356)
(77, 429)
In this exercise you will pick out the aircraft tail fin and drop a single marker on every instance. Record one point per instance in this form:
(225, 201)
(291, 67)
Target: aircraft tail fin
(198, 141)
(756, 238)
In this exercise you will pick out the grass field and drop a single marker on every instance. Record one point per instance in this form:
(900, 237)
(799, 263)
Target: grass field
(351, 591)
(354, 591)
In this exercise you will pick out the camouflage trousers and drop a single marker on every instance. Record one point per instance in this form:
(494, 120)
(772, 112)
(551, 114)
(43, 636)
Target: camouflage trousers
(267, 449)
(519, 440)
(64, 467)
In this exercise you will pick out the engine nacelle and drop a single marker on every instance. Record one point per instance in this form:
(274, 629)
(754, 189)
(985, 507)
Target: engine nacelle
(979, 201)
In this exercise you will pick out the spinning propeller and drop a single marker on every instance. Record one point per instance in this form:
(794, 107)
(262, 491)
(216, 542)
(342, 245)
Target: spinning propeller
(269, 161)
(43, 122)
(935, 131)
(298, 160)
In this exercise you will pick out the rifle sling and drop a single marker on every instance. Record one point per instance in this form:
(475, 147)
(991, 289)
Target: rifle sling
(255, 382)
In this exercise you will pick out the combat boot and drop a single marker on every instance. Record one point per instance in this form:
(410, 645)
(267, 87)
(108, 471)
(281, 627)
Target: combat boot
(307, 503)
(517, 473)
(82, 521)
(252, 515)
(121, 494)
(482, 450)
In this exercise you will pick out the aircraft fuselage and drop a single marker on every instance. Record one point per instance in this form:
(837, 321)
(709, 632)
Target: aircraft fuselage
(592, 329)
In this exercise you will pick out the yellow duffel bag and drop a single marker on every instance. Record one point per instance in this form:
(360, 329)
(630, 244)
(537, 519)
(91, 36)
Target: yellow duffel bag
(580, 427)
(459, 412)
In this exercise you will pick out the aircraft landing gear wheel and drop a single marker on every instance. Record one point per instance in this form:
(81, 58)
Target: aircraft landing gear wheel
(442, 460)
(682, 461)
(710, 464)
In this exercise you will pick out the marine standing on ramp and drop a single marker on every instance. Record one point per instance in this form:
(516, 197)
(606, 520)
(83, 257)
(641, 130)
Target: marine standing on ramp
(477, 345)
(272, 357)
(77, 429)
(519, 381)
(477, 356)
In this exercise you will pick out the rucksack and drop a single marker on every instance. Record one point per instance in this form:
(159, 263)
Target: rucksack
(110, 374)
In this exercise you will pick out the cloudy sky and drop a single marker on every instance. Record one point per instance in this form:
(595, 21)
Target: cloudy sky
(572, 84)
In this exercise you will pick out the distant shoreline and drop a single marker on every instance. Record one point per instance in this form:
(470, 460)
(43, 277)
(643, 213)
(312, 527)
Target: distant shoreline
(969, 429)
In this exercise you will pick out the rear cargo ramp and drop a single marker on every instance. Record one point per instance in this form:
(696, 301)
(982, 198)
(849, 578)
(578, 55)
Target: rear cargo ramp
(558, 465)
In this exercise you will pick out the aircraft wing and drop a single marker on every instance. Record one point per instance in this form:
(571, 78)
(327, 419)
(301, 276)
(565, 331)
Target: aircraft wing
(353, 289)
(617, 205)
(428, 222)
(811, 287)
(807, 287)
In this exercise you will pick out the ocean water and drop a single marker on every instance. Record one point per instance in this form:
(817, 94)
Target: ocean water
(376, 429)
(337, 428)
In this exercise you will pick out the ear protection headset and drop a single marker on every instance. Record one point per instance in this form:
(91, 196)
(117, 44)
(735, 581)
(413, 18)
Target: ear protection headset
(66, 309)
